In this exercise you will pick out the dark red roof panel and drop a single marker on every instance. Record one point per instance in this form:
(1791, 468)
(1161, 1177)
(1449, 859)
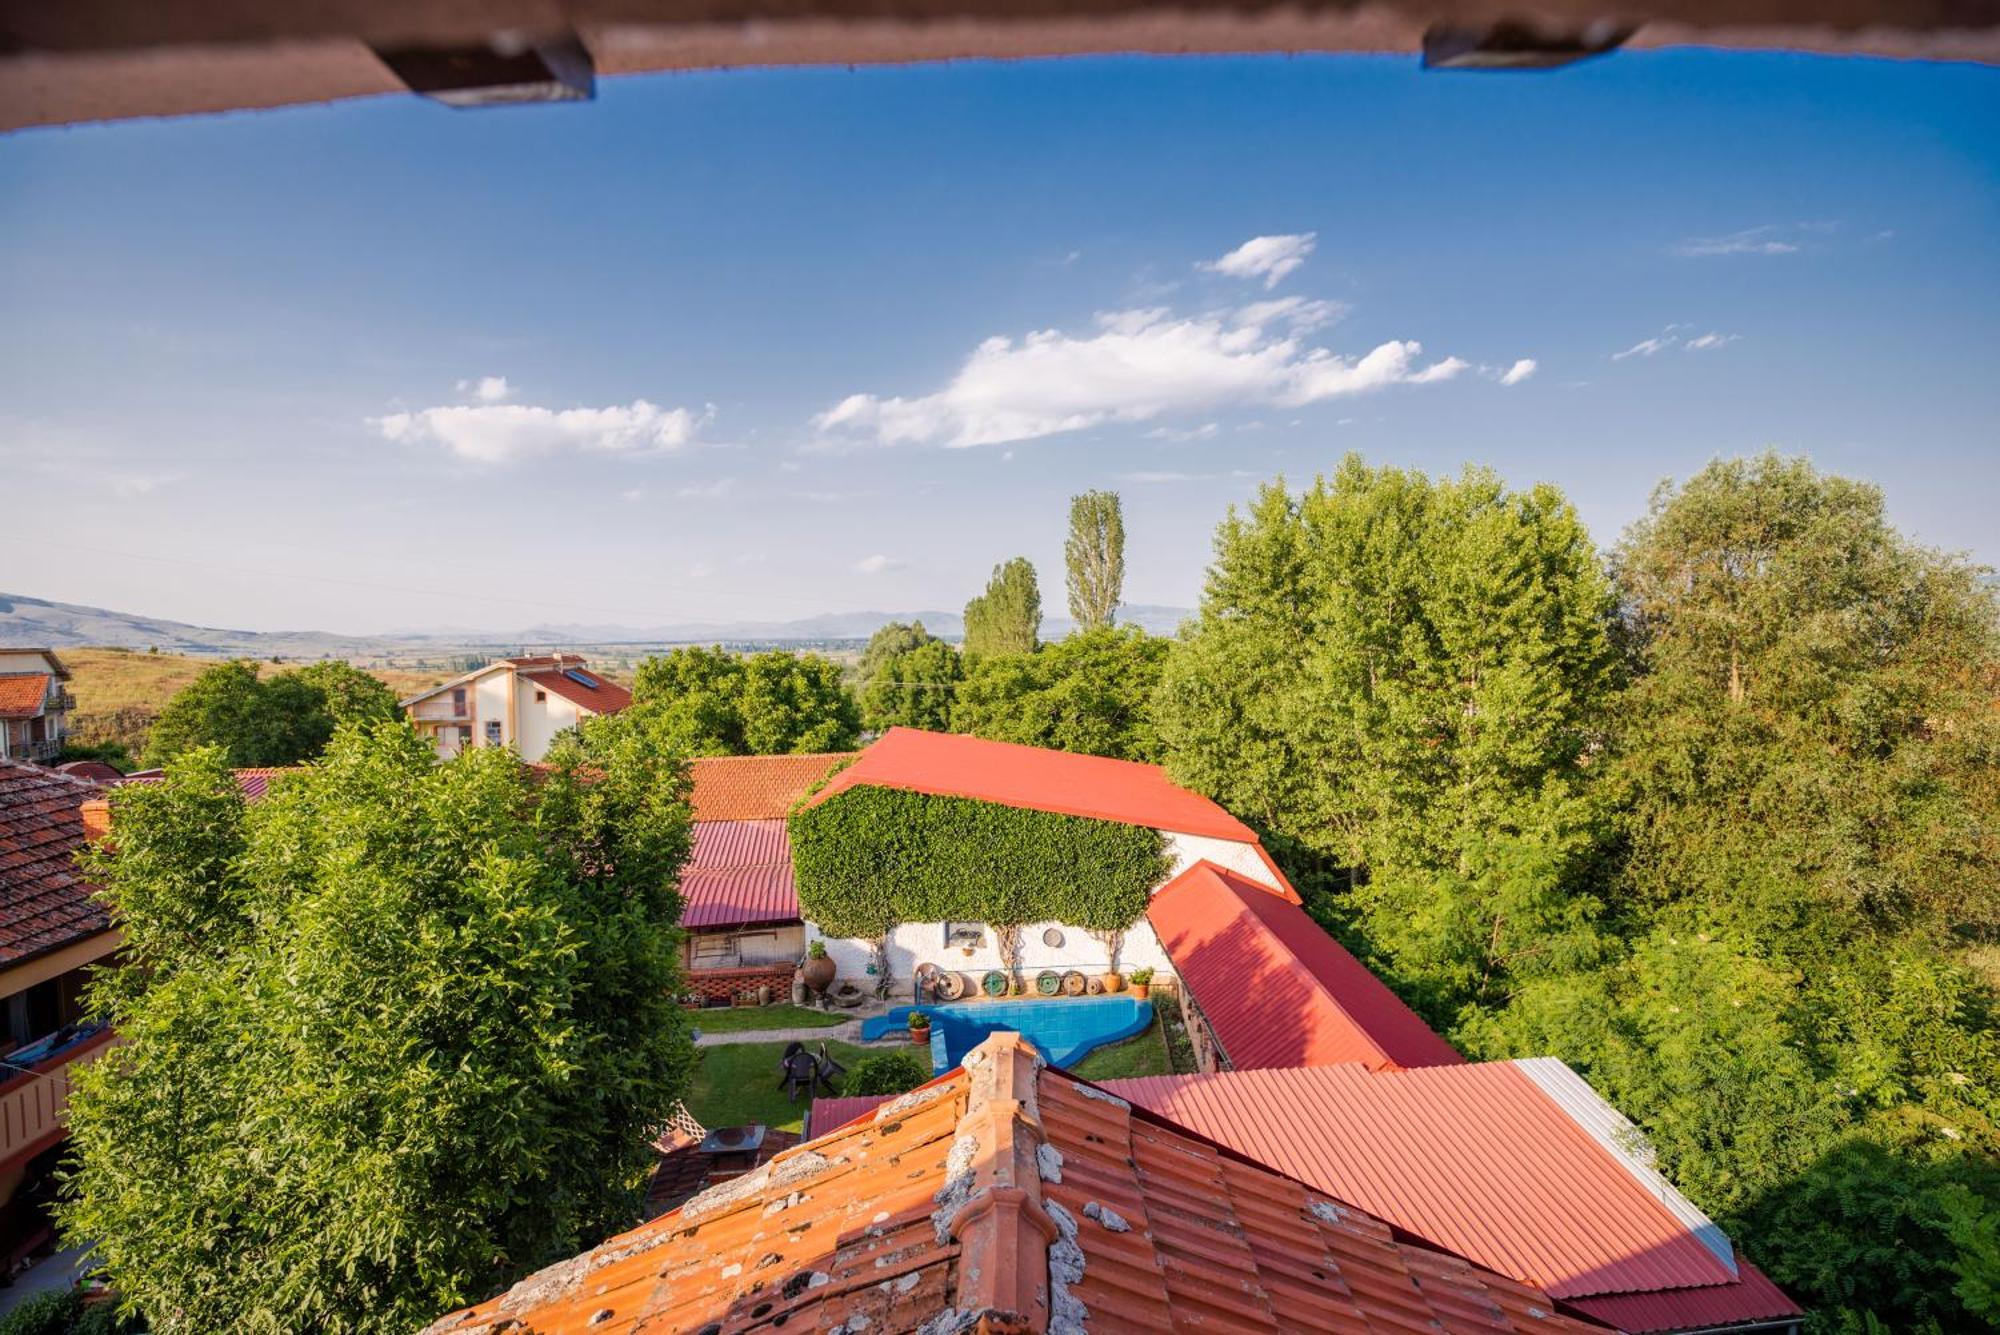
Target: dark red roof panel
(1275, 988)
(739, 874)
(1752, 1298)
(45, 903)
(950, 765)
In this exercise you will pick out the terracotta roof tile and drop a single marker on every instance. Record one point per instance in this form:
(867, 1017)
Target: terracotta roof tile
(755, 787)
(23, 694)
(1275, 988)
(1012, 1197)
(602, 696)
(45, 903)
(950, 765)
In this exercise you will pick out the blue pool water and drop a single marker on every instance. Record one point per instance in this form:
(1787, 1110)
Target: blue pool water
(1064, 1028)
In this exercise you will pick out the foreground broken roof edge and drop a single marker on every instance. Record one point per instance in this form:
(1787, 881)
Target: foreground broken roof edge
(1008, 1195)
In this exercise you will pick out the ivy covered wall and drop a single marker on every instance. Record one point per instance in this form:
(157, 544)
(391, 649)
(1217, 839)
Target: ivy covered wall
(872, 858)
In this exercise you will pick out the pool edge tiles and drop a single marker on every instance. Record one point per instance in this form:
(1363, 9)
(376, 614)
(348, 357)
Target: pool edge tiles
(1064, 1029)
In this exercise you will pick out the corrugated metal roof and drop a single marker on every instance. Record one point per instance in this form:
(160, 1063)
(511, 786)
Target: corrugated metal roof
(1011, 1196)
(1276, 989)
(738, 874)
(1476, 1158)
(951, 765)
(254, 783)
(1752, 1298)
(755, 787)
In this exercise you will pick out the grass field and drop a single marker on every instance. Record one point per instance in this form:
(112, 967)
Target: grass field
(737, 1083)
(1142, 1054)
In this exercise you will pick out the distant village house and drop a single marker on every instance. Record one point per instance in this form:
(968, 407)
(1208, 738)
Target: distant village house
(34, 704)
(519, 702)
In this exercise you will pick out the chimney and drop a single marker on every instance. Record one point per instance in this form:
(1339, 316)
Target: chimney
(96, 815)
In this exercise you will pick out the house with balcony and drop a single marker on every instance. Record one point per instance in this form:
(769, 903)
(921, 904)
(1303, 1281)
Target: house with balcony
(517, 702)
(34, 704)
(53, 935)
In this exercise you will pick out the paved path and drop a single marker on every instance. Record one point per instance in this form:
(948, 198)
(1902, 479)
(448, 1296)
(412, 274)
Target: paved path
(850, 1032)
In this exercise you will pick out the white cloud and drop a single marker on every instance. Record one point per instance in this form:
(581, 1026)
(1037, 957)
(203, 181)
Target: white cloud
(1137, 366)
(1709, 340)
(1267, 257)
(488, 388)
(508, 433)
(1519, 371)
(1206, 431)
(1144, 476)
(707, 490)
(1646, 347)
(1301, 315)
(1768, 240)
(878, 563)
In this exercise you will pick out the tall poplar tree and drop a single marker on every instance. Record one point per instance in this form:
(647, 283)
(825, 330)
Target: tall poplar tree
(1095, 555)
(1007, 617)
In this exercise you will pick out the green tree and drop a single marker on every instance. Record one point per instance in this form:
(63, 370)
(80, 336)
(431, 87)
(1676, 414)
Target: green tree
(347, 694)
(798, 704)
(708, 701)
(227, 706)
(892, 639)
(914, 689)
(1401, 678)
(1095, 555)
(1803, 770)
(1007, 617)
(393, 1037)
(1091, 693)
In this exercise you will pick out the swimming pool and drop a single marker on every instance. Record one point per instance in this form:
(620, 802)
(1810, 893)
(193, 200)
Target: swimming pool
(1064, 1028)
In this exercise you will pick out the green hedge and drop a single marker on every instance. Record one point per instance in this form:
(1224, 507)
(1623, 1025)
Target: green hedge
(875, 857)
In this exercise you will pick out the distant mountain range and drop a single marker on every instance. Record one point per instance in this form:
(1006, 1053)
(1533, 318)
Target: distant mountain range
(37, 621)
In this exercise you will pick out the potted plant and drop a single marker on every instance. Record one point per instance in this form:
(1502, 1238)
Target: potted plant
(1113, 981)
(1142, 983)
(920, 1028)
(819, 968)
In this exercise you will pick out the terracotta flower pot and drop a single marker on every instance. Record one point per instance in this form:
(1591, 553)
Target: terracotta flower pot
(1141, 991)
(920, 1036)
(1114, 982)
(819, 972)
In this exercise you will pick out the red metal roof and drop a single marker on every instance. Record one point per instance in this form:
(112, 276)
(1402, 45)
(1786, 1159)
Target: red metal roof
(1275, 988)
(45, 903)
(950, 765)
(606, 697)
(1012, 1197)
(739, 873)
(255, 783)
(1473, 1157)
(23, 694)
(755, 787)
(1752, 1298)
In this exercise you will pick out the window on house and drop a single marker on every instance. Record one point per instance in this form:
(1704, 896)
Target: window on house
(458, 699)
(493, 732)
(964, 933)
(541, 697)
(464, 735)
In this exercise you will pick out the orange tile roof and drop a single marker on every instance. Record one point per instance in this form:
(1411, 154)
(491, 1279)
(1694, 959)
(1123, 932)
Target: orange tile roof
(44, 901)
(605, 697)
(756, 787)
(23, 694)
(1009, 774)
(1011, 1197)
(1275, 988)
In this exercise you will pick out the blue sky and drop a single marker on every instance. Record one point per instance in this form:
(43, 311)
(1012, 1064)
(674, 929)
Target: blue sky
(783, 342)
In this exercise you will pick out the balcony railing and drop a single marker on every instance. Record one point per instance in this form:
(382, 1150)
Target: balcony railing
(32, 1100)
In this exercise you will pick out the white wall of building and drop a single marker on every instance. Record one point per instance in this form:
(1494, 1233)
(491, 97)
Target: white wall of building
(914, 943)
(539, 721)
(1234, 854)
(490, 703)
(22, 660)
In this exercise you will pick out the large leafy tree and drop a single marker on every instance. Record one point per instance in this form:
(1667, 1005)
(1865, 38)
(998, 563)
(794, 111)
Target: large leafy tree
(1094, 553)
(1091, 692)
(1007, 617)
(891, 639)
(279, 720)
(1805, 771)
(1401, 678)
(914, 688)
(708, 701)
(392, 1037)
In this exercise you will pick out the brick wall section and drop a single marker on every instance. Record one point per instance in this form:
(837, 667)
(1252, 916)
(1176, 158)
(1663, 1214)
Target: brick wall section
(725, 984)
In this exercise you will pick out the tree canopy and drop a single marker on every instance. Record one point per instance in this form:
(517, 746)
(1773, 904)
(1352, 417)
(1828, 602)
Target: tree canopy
(1090, 692)
(393, 1037)
(1007, 617)
(1095, 555)
(710, 702)
(280, 720)
(914, 688)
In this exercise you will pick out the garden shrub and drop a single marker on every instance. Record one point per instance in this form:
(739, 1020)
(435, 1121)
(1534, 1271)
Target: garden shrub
(875, 857)
(886, 1073)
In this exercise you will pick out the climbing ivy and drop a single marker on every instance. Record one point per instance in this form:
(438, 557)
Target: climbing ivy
(875, 857)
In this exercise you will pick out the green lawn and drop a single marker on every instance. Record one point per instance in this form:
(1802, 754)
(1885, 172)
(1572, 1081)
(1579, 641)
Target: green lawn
(737, 1083)
(1143, 1054)
(736, 1019)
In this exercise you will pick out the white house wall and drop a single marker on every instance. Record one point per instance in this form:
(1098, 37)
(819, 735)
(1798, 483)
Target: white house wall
(1233, 854)
(490, 696)
(540, 721)
(914, 943)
